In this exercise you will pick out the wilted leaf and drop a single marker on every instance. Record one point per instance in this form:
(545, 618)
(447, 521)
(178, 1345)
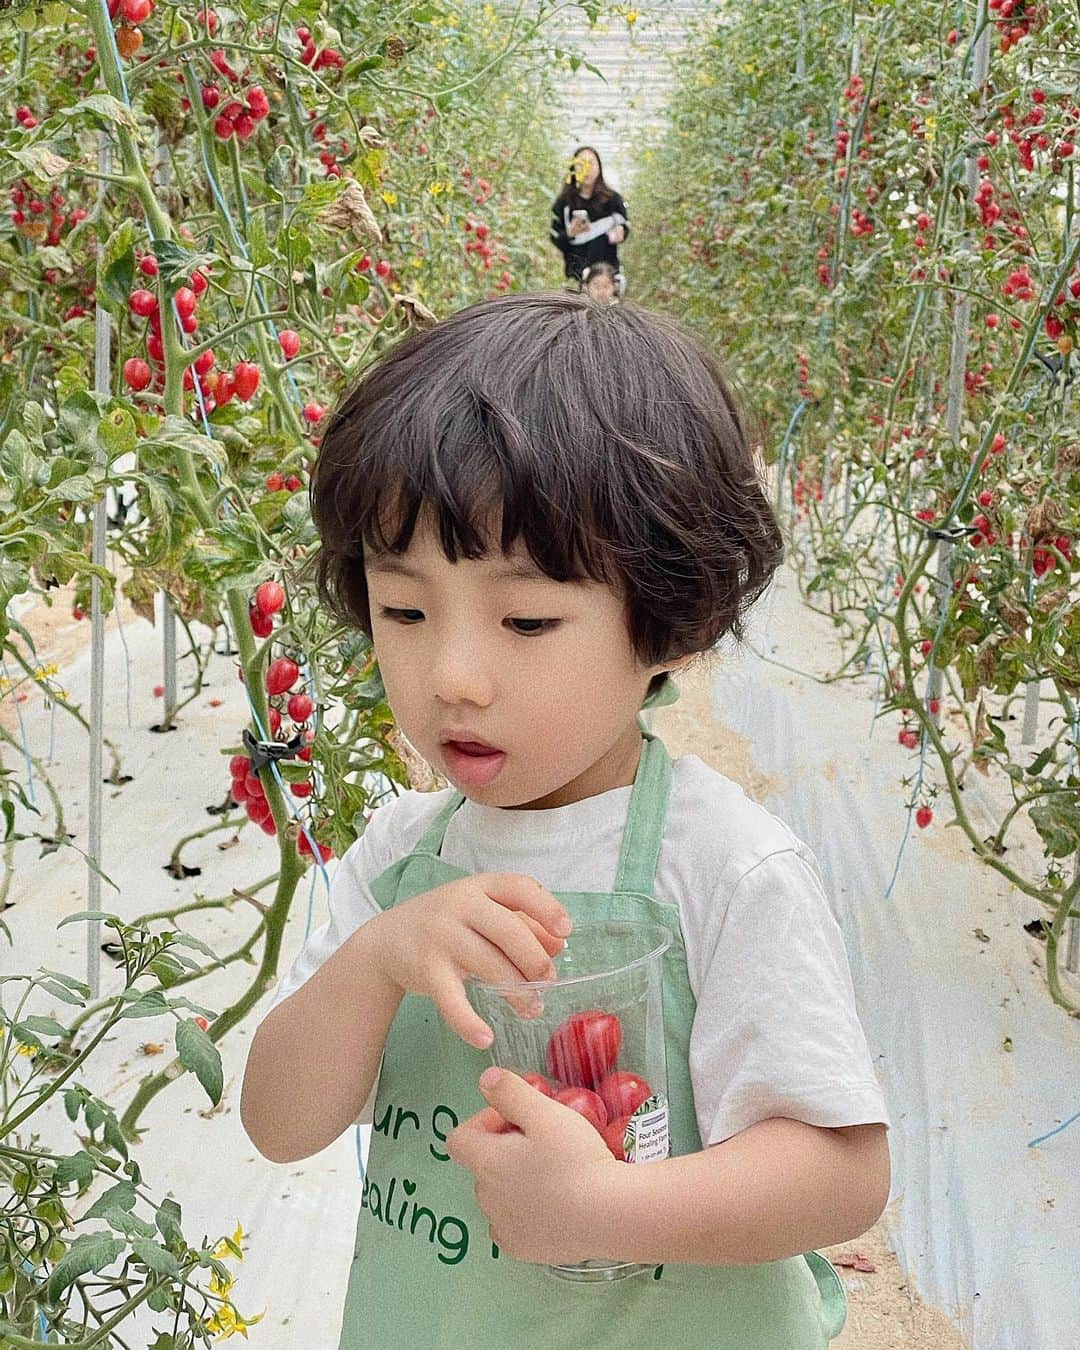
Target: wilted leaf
(351, 212)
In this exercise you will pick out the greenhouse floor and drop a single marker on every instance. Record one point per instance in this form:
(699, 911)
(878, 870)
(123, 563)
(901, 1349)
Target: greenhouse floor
(982, 1225)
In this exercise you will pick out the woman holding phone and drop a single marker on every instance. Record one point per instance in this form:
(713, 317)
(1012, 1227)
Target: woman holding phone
(588, 218)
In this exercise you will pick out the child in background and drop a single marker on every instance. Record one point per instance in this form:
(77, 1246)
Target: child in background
(532, 566)
(600, 282)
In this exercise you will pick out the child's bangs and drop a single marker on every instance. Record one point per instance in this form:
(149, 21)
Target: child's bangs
(473, 477)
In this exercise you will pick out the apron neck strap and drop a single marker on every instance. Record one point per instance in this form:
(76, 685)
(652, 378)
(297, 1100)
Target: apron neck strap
(645, 820)
(432, 839)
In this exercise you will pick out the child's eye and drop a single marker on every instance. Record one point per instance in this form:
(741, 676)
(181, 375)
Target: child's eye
(402, 615)
(530, 627)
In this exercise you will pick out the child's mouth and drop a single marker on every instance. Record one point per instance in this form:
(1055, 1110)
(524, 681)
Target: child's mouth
(471, 763)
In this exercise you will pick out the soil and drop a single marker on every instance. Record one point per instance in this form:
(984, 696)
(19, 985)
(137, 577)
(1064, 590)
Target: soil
(884, 1309)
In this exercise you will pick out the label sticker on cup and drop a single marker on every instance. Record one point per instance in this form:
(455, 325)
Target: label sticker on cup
(646, 1138)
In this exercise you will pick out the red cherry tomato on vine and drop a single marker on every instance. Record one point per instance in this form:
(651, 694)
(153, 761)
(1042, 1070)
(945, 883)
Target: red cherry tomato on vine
(245, 380)
(270, 596)
(281, 675)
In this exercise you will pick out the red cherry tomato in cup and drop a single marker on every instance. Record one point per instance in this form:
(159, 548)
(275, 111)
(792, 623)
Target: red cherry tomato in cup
(583, 1049)
(623, 1093)
(585, 1103)
(540, 1083)
(614, 1133)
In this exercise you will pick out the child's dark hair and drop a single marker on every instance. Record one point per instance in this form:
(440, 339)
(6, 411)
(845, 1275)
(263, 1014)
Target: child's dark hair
(599, 269)
(604, 439)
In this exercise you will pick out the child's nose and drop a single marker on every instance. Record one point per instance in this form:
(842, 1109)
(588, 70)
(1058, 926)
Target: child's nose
(460, 675)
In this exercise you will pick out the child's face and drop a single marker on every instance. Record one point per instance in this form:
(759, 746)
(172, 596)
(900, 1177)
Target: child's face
(493, 650)
(601, 289)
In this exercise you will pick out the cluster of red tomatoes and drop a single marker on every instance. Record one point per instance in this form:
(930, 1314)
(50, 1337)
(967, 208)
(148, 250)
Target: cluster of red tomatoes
(282, 675)
(126, 16)
(581, 1056)
(43, 220)
(1016, 19)
(216, 387)
(1028, 138)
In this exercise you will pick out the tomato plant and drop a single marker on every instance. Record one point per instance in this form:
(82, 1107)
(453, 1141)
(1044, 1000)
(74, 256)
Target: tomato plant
(876, 223)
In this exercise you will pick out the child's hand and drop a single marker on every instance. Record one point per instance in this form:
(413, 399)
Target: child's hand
(541, 1172)
(498, 926)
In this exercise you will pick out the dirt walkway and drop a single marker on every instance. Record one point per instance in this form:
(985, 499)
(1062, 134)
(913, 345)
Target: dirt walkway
(885, 1312)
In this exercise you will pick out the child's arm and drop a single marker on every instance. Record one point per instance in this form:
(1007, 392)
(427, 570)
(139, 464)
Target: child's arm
(552, 1192)
(315, 1056)
(777, 1189)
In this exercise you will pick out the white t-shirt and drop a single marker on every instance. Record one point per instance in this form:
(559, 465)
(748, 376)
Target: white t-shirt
(776, 1031)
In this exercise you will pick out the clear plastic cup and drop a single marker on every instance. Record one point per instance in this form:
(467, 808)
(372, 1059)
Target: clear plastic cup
(593, 1037)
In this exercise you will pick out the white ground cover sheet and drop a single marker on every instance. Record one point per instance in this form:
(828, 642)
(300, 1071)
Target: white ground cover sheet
(986, 1226)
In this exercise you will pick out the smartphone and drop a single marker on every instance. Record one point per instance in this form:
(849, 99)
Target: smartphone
(581, 216)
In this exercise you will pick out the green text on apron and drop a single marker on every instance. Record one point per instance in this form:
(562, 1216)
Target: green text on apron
(425, 1275)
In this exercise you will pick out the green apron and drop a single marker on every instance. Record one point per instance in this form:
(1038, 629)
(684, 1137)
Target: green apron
(425, 1274)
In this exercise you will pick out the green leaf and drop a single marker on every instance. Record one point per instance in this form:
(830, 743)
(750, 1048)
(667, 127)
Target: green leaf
(1040, 761)
(59, 991)
(78, 1167)
(167, 969)
(150, 1004)
(76, 985)
(89, 914)
(156, 1258)
(176, 263)
(168, 1218)
(44, 1026)
(79, 488)
(122, 1195)
(106, 108)
(89, 1252)
(116, 266)
(199, 1054)
(186, 940)
(258, 249)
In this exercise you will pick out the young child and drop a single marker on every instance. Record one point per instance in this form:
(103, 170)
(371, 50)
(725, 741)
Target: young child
(601, 282)
(538, 510)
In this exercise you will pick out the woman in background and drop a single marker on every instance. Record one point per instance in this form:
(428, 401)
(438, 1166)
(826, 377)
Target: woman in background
(588, 218)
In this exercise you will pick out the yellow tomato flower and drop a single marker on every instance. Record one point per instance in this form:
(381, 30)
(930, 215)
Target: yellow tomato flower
(227, 1322)
(223, 1251)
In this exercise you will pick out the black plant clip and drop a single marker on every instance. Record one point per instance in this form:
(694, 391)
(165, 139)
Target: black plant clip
(266, 752)
(952, 534)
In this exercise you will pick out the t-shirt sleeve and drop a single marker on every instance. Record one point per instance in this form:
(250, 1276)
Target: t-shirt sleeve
(777, 1032)
(618, 206)
(391, 832)
(351, 904)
